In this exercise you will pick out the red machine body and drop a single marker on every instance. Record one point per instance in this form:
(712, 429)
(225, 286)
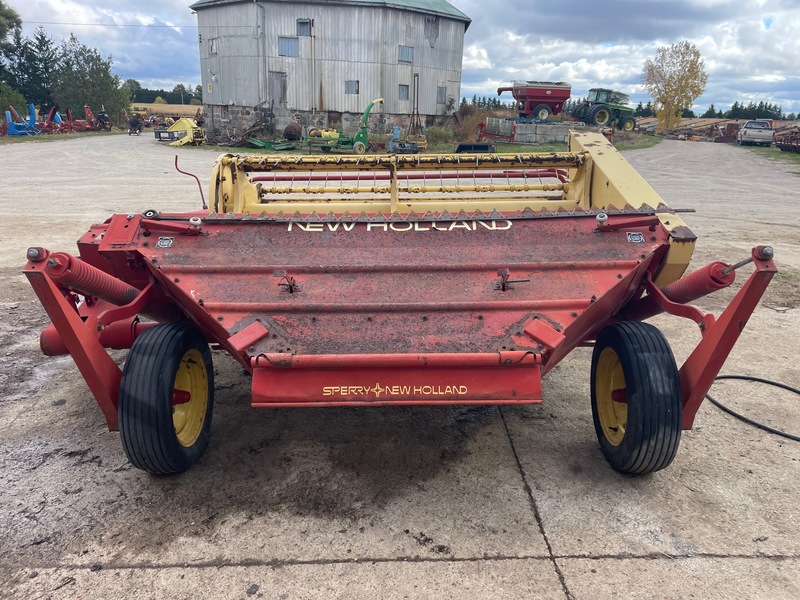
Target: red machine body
(533, 97)
(388, 308)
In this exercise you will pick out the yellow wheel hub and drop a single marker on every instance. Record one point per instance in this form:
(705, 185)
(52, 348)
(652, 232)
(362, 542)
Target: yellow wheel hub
(611, 397)
(190, 398)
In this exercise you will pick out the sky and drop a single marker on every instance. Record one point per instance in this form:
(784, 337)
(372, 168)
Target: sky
(751, 48)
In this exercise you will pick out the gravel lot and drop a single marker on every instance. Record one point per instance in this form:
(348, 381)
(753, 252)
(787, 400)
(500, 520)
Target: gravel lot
(453, 502)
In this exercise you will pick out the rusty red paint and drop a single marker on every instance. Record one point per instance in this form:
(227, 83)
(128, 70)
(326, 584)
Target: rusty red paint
(699, 370)
(381, 312)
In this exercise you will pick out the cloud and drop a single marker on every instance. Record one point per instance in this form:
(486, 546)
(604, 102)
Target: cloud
(750, 48)
(148, 41)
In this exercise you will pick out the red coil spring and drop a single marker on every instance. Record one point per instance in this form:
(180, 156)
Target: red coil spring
(709, 279)
(81, 277)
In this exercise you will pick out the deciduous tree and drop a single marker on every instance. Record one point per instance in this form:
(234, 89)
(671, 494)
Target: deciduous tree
(133, 87)
(675, 78)
(9, 96)
(9, 22)
(9, 19)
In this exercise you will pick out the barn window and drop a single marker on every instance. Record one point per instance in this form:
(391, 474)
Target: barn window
(303, 27)
(351, 86)
(405, 54)
(288, 46)
(212, 46)
(403, 92)
(441, 95)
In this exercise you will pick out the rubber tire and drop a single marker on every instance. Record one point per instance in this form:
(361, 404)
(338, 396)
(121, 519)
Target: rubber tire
(145, 399)
(654, 407)
(592, 115)
(540, 109)
(627, 124)
(359, 148)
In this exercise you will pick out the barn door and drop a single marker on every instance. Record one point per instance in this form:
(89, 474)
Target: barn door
(277, 88)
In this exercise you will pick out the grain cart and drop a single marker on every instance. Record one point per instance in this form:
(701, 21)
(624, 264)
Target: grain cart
(395, 280)
(538, 99)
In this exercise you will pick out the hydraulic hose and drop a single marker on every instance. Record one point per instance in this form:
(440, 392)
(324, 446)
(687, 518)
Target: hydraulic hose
(732, 412)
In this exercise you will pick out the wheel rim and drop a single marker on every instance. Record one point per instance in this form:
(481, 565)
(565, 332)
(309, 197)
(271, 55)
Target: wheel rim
(628, 126)
(190, 398)
(603, 117)
(611, 396)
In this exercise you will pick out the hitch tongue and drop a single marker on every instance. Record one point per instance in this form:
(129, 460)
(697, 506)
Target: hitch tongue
(764, 253)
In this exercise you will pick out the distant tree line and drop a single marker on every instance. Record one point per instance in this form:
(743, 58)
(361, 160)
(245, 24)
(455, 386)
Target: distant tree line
(180, 94)
(647, 110)
(760, 110)
(491, 103)
(36, 70)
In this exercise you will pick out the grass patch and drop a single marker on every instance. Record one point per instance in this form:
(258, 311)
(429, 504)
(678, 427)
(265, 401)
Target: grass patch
(774, 153)
(635, 141)
(53, 137)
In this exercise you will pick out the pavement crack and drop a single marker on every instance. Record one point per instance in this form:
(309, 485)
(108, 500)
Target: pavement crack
(277, 563)
(535, 508)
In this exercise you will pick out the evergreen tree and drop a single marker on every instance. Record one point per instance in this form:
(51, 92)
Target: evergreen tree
(43, 54)
(83, 76)
(710, 113)
(17, 56)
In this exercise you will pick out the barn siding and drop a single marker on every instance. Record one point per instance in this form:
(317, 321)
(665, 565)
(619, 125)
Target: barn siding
(239, 50)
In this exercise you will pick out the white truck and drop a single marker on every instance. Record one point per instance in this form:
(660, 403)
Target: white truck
(756, 131)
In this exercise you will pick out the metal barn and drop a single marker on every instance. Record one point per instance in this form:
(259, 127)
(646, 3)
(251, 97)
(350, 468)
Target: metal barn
(329, 57)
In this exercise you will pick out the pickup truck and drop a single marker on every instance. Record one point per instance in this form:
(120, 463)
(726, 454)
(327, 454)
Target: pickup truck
(757, 131)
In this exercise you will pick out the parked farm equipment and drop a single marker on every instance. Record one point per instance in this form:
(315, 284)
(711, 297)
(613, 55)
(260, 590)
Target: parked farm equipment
(19, 126)
(538, 99)
(603, 108)
(328, 140)
(789, 141)
(182, 132)
(395, 280)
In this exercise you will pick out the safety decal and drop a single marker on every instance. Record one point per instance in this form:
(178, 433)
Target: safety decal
(635, 237)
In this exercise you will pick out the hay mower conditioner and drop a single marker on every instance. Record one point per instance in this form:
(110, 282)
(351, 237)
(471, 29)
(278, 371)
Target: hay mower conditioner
(395, 280)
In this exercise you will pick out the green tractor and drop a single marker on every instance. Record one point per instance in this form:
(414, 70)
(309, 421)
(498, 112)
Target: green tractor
(605, 108)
